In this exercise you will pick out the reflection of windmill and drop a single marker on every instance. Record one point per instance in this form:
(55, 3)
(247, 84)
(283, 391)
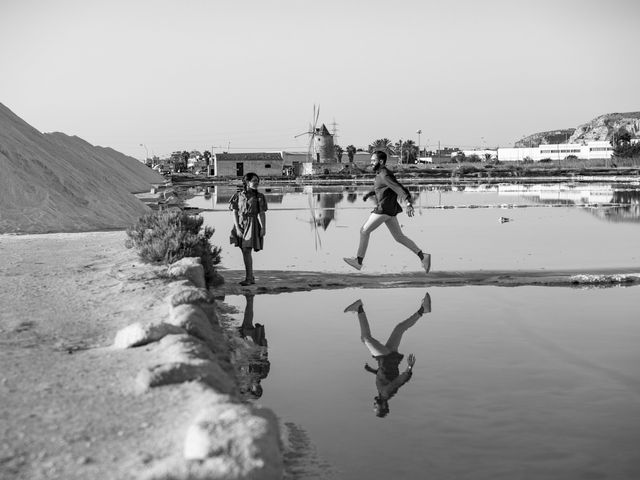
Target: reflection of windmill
(321, 147)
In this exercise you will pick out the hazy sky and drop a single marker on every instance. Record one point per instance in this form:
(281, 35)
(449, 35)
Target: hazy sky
(197, 74)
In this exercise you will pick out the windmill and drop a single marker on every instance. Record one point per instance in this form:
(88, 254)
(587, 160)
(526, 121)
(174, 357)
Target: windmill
(321, 147)
(312, 133)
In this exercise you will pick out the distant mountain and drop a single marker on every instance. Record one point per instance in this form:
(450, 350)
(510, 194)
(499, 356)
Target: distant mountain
(56, 183)
(600, 128)
(546, 138)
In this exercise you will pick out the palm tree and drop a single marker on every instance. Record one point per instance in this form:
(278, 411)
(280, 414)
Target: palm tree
(207, 157)
(339, 152)
(351, 152)
(408, 151)
(383, 144)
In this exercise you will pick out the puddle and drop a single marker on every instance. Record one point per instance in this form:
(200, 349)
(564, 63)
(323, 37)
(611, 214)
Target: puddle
(526, 382)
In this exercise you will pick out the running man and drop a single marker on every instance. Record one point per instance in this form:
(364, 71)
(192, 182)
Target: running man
(387, 190)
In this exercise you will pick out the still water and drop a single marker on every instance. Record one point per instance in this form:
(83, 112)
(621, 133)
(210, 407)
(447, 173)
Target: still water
(472, 227)
(508, 383)
(527, 382)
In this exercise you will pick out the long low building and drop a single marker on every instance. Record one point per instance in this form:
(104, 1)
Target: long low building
(560, 151)
(269, 164)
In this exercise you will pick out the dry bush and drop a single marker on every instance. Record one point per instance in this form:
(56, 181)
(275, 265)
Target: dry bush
(167, 236)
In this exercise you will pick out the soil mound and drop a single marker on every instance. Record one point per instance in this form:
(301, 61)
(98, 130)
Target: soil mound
(57, 183)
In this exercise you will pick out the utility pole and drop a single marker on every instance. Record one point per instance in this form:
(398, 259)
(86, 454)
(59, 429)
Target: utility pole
(334, 131)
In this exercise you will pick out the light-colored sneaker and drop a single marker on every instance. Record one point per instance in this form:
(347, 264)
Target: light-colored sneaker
(354, 306)
(353, 261)
(426, 262)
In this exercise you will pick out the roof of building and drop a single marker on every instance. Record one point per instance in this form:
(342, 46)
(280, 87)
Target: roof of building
(247, 157)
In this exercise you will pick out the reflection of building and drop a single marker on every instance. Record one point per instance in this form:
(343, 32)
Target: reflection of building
(630, 213)
(221, 194)
(561, 192)
(586, 151)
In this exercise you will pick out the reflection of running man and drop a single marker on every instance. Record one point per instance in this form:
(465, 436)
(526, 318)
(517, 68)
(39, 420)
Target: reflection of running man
(254, 367)
(388, 376)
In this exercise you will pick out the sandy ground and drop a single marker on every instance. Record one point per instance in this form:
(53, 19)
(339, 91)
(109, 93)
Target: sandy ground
(68, 406)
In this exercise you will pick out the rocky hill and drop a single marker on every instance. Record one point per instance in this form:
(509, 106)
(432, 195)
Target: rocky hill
(600, 128)
(57, 183)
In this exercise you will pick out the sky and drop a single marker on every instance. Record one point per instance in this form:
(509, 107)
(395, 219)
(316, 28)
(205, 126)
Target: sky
(151, 77)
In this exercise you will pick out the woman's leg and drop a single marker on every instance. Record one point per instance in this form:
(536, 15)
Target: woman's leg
(247, 320)
(248, 263)
(373, 222)
(398, 236)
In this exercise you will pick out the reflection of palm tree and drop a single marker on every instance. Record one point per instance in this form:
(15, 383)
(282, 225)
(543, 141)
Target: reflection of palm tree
(255, 365)
(388, 376)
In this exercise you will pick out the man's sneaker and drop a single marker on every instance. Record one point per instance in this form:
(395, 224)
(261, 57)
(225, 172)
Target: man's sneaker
(353, 262)
(426, 303)
(426, 262)
(354, 307)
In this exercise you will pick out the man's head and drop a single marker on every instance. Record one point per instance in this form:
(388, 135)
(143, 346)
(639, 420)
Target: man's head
(378, 159)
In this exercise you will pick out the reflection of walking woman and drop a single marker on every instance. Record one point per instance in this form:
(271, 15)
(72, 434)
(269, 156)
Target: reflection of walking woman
(249, 222)
(255, 367)
(388, 376)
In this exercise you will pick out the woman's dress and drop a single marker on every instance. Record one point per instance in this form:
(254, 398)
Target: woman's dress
(249, 205)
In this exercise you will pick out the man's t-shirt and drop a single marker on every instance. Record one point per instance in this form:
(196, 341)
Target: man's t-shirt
(387, 190)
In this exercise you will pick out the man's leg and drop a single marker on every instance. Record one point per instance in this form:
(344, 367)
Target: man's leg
(396, 335)
(394, 227)
(375, 347)
(373, 222)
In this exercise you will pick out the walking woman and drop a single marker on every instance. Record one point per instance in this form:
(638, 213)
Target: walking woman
(249, 222)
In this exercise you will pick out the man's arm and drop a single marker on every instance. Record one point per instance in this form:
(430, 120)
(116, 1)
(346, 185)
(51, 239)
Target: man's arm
(405, 376)
(369, 369)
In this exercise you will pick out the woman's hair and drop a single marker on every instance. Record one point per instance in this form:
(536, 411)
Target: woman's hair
(247, 178)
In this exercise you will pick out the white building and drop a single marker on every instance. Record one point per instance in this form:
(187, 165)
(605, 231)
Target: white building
(560, 151)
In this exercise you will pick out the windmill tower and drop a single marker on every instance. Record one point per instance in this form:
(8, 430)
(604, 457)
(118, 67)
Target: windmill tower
(321, 148)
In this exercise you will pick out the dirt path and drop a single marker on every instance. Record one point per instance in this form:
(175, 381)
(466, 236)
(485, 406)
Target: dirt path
(68, 406)
(279, 281)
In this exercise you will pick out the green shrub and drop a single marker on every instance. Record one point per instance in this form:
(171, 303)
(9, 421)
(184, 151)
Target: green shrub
(167, 236)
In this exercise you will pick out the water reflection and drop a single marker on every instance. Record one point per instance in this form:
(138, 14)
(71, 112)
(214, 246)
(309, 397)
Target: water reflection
(628, 212)
(251, 356)
(388, 376)
(325, 208)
